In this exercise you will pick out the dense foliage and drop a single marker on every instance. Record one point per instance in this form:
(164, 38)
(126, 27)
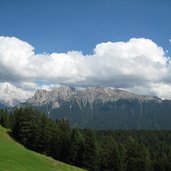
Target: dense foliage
(119, 150)
(4, 118)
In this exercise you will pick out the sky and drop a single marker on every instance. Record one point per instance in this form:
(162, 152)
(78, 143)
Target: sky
(123, 44)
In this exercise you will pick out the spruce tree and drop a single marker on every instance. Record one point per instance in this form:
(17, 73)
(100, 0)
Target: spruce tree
(90, 151)
(23, 129)
(137, 156)
(110, 155)
(4, 118)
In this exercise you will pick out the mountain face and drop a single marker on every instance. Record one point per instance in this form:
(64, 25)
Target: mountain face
(104, 108)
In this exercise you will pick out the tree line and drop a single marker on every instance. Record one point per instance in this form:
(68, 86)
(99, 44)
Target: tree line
(101, 150)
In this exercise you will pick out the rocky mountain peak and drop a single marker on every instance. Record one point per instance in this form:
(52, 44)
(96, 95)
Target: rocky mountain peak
(64, 93)
(39, 97)
(63, 89)
(90, 95)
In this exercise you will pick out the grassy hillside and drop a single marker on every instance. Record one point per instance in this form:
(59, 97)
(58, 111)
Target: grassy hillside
(15, 157)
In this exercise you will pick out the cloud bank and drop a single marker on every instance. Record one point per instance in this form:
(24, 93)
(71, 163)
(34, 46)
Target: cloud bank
(138, 65)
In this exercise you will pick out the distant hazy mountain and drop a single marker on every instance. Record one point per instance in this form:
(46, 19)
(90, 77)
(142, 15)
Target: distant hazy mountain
(104, 108)
(3, 105)
(9, 104)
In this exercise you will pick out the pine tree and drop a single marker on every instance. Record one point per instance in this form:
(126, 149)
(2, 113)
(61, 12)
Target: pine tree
(137, 156)
(75, 147)
(61, 140)
(110, 157)
(23, 128)
(4, 118)
(90, 151)
(43, 133)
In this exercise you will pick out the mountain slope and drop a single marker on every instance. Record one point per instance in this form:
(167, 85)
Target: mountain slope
(15, 157)
(104, 108)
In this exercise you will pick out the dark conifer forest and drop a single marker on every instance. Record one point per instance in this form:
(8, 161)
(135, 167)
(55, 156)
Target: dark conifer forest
(94, 150)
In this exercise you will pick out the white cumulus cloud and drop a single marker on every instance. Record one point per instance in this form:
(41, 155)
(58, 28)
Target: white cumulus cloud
(137, 65)
(9, 93)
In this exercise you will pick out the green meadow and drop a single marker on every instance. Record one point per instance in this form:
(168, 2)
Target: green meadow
(15, 157)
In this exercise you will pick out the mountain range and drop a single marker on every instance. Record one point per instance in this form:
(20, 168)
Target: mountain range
(103, 108)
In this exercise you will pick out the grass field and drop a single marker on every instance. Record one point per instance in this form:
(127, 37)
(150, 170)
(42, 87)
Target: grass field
(15, 157)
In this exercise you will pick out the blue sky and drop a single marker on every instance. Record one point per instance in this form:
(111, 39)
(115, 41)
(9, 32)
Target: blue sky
(83, 43)
(63, 25)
